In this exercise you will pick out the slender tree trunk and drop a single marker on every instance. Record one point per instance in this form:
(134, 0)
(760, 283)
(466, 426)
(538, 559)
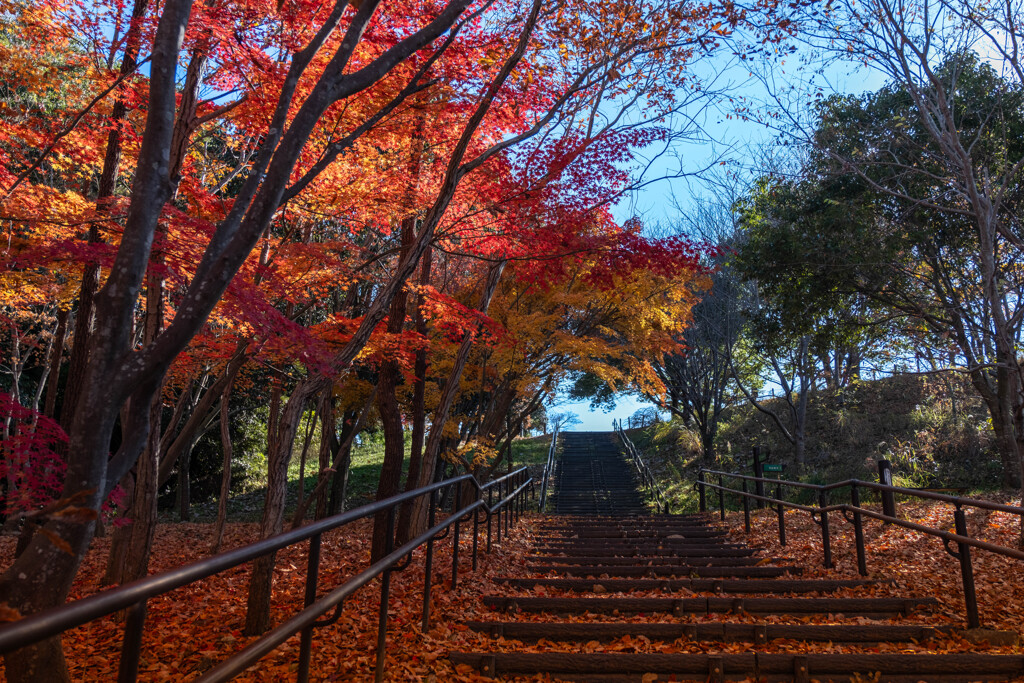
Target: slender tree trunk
(325, 458)
(390, 413)
(174, 450)
(121, 537)
(340, 465)
(144, 502)
(108, 182)
(432, 449)
(339, 480)
(184, 499)
(283, 425)
(310, 424)
(56, 355)
(225, 476)
(144, 512)
(419, 412)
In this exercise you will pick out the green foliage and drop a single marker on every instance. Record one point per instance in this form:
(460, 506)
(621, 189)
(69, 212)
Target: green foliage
(933, 430)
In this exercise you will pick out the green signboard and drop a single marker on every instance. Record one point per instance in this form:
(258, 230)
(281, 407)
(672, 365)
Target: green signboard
(771, 468)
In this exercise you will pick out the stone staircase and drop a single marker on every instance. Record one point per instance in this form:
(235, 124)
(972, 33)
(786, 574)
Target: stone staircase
(593, 477)
(608, 595)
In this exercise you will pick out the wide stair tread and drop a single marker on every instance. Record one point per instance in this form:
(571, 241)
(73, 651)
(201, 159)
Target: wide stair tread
(893, 668)
(717, 631)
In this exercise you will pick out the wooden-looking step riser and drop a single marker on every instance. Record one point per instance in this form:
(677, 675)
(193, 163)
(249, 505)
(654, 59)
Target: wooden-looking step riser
(646, 552)
(623, 526)
(787, 667)
(696, 585)
(583, 544)
(629, 526)
(611, 605)
(665, 529)
(650, 536)
(773, 678)
(678, 561)
(727, 632)
(709, 520)
(681, 571)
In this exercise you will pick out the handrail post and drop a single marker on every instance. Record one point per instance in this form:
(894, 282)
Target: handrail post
(702, 496)
(759, 473)
(490, 504)
(781, 512)
(519, 499)
(428, 563)
(721, 498)
(888, 497)
(826, 540)
(385, 594)
(500, 494)
(455, 535)
(966, 570)
(746, 508)
(131, 645)
(312, 577)
(858, 531)
(507, 507)
(476, 531)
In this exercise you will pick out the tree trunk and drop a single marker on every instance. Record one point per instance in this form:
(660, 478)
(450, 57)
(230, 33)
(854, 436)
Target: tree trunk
(340, 465)
(1008, 447)
(419, 412)
(432, 450)
(283, 426)
(144, 501)
(184, 500)
(310, 424)
(325, 459)
(108, 181)
(225, 476)
(120, 538)
(56, 355)
(390, 413)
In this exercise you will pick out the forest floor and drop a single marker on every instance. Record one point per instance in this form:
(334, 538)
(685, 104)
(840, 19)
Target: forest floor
(192, 628)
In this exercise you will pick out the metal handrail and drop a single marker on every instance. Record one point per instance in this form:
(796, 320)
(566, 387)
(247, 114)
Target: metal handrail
(853, 512)
(548, 468)
(645, 471)
(135, 595)
(917, 493)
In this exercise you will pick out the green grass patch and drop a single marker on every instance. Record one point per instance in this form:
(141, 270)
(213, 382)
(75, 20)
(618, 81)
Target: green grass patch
(531, 450)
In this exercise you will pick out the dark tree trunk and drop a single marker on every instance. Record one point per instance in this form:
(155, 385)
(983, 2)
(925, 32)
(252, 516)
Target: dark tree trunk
(108, 182)
(185, 485)
(284, 422)
(390, 412)
(419, 411)
(225, 476)
(432, 450)
(56, 355)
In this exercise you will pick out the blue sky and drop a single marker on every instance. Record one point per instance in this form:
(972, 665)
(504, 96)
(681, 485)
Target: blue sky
(743, 144)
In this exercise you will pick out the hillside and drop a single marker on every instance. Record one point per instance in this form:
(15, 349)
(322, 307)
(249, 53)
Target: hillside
(934, 431)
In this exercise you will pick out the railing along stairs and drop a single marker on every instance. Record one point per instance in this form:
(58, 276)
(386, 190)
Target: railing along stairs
(549, 468)
(854, 512)
(504, 498)
(646, 474)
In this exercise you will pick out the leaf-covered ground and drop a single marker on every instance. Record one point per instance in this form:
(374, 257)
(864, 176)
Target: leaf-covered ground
(191, 629)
